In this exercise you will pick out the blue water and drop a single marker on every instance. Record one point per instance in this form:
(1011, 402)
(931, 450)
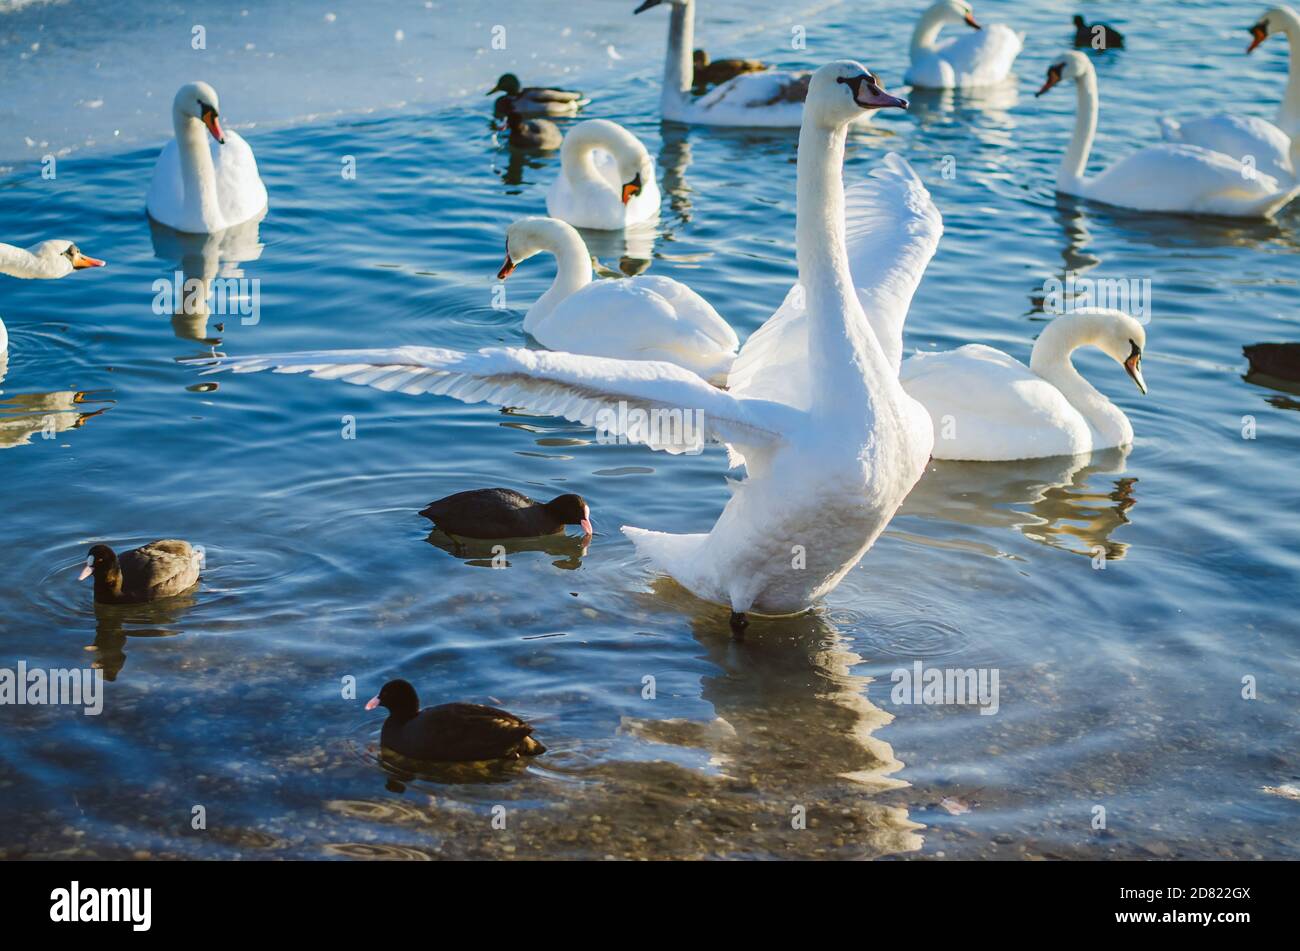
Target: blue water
(1120, 687)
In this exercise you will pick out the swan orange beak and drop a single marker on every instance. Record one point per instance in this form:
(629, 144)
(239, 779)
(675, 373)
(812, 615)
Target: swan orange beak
(1053, 77)
(1258, 34)
(80, 261)
(210, 120)
(1133, 366)
(632, 189)
(972, 22)
(372, 703)
(506, 269)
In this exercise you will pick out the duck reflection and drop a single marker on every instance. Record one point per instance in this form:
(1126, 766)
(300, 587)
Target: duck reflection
(114, 623)
(1059, 502)
(25, 416)
(495, 552)
(203, 258)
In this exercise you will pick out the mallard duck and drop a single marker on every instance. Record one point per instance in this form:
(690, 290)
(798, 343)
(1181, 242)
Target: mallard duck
(1084, 35)
(537, 134)
(505, 513)
(160, 569)
(450, 732)
(534, 100)
(709, 72)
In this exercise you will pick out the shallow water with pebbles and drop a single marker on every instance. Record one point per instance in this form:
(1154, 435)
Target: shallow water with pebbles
(1119, 687)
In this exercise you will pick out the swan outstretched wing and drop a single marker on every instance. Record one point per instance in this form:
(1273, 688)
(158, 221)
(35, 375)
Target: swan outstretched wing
(679, 411)
(892, 228)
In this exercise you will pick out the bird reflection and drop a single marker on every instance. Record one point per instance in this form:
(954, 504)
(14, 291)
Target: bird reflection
(114, 623)
(674, 160)
(1178, 232)
(929, 107)
(495, 552)
(203, 258)
(24, 416)
(1058, 501)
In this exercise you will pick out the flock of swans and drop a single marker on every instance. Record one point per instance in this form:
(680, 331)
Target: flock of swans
(832, 425)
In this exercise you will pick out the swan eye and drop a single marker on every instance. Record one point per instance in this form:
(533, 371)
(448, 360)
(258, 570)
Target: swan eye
(71, 252)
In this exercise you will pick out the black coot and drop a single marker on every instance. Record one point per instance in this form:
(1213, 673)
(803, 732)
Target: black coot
(505, 513)
(160, 569)
(1083, 35)
(450, 732)
(1280, 360)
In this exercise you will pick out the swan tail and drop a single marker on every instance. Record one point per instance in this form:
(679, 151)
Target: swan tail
(1171, 130)
(669, 553)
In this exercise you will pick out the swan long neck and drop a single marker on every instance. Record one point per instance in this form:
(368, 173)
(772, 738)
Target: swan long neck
(846, 357)
(1075, 161)
(1288, 113)
(575, 154)
(197, 174)
(927, 31)
(679, 67)
(1050, 360)
(572, 272)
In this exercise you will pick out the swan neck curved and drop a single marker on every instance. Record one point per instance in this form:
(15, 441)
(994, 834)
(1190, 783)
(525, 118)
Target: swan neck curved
(198, 177)
(576, 158)
(679, 67)
(926, 32)
(1051, 361)
(572, 273)
(1075, 161)
(846, 358)
(1288, 113)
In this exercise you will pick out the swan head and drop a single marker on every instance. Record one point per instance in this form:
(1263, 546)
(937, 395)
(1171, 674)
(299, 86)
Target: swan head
(1271, 22)
(59, 257)
(953, 11)
(654, 3)
(840, 91)
(530, 236)
(507, 83)
(1121, 338)
(1072, 65)
(199, 101)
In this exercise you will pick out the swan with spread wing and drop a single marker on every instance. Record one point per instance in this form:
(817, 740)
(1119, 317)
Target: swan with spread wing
(832, 444)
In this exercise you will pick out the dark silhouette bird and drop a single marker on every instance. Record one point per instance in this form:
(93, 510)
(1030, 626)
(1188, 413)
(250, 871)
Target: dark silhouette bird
(542, 135)
(160, 569)
(450, 732)
(534, 100)
(505, 513)
(1085, 35)
(1280, 360)
(711, 72)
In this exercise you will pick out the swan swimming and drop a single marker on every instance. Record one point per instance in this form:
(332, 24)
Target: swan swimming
(1165, 177)
(201, 186)
(970, 61)
(48, 260)
(987, 406)
(829, 461)
(647, 317)
(606, 180)
(1274, 147)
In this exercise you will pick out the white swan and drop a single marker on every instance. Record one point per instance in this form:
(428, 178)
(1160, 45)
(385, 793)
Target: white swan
(647, 317)
(987, 406)
(200, 186)
(1274, 148)
(770, 99)
(606, 180)
(45, 261)
(1183, 179)
(825, 477)
(969, 61)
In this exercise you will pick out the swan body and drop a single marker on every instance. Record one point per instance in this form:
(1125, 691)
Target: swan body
(48, 260)
(1166, 177)
(203, 185)
(1274, 147)
(827, 467)
(770, 98)
(647, 317)
(606, 180)
(969, 61)
(987, 406)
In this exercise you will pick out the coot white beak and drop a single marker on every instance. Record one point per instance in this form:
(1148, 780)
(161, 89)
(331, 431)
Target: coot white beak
(586, 522)
(372, 703)
(87, 571)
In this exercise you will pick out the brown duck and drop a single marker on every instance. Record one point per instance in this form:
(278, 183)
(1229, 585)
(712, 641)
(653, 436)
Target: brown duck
(159, 569)
(450, 732)
(712, 72)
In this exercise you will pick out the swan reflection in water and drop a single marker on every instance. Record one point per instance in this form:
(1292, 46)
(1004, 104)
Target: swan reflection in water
(204, 258)
(114, 623)
(24, 416)
(790, 757)
(1061, 501)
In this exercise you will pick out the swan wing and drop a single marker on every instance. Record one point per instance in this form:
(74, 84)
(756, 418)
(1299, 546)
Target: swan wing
(1237, 137)
(239, 186)
(773, 99)
(893, 228)
(594, 391)
(977, 58)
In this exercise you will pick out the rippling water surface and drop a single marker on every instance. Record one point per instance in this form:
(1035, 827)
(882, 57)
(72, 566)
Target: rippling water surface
(1119, 687)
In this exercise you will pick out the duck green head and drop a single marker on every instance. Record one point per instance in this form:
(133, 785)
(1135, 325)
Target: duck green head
(508, 83)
